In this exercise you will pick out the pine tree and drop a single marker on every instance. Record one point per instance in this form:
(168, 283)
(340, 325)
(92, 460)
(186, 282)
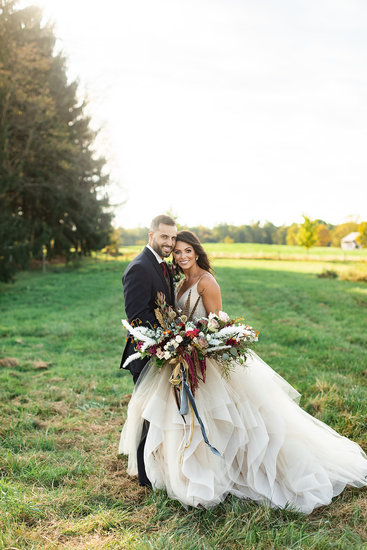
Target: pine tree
(50, 180)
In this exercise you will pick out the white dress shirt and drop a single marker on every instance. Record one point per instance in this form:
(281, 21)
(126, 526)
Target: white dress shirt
(159, 259)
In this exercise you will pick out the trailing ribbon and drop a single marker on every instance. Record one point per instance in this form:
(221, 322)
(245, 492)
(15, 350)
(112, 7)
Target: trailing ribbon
(179, 380)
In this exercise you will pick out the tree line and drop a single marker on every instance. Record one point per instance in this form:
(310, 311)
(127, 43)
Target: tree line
(52, 185)
(309, 233)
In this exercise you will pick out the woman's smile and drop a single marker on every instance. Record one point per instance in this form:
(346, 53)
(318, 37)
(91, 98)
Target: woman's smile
(184, 255)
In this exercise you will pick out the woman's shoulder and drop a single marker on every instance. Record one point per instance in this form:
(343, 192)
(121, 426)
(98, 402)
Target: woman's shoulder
(207, 282)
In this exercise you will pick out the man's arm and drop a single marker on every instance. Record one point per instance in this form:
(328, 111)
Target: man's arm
(138, 295)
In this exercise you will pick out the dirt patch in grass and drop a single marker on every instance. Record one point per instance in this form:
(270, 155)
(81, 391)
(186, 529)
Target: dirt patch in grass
(124, 401)
(352, 510)
(106, 529)
(9, 362)
(94, 542)
(56, 379)
(38, 365)
(118, 484)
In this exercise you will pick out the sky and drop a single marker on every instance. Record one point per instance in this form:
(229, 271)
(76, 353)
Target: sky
(224, 111)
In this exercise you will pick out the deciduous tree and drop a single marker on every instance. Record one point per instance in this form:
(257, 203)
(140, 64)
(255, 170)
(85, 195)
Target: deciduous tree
(307, 235)
(323, 235)
(292, 234)
(342, 230)
(362, 238)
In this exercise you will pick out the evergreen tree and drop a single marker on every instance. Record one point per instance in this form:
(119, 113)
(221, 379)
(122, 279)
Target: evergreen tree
(50, 179)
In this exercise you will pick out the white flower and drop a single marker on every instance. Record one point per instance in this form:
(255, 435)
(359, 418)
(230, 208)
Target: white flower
(226, 332)
(178, 339)
(213, 316)
(160, 354)
(215, 342)
(171, 345)
(223, 316)
(167, 355)
(212, 324)
(141, 333)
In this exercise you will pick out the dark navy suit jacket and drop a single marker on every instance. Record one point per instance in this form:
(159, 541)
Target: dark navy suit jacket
(142, 279)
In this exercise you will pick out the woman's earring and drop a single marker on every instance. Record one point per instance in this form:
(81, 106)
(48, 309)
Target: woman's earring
(197, 257)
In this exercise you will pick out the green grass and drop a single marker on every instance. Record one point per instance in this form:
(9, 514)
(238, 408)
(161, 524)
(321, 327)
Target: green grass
(282, 251)
(62, 484)
(272, 252)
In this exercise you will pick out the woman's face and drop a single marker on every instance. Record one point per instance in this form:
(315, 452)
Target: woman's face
(184, 255)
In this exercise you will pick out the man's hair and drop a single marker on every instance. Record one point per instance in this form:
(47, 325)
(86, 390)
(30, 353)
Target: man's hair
(167, 220)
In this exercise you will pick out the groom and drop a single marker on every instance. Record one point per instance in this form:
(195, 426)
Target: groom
(146, 275)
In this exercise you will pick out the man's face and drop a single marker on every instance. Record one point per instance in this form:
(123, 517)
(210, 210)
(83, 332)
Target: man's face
(163, 240)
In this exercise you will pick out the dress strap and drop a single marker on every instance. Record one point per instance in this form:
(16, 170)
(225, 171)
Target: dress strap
(197, 282)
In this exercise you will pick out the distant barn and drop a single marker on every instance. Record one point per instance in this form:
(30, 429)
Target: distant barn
(349, 242)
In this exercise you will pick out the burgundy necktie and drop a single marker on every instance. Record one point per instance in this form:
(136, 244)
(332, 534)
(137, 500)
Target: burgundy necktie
(164, 269)
(166, 276)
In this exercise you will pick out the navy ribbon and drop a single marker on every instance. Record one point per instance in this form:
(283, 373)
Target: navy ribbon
(184, 408)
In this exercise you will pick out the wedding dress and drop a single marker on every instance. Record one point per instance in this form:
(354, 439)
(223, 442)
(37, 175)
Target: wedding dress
(271, 450)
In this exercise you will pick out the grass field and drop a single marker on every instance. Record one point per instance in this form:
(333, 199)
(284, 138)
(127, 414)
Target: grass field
(272, 252)
(63, 402)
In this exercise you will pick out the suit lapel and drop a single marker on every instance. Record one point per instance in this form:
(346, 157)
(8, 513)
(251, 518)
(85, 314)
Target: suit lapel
(157, 267)
(172, 288)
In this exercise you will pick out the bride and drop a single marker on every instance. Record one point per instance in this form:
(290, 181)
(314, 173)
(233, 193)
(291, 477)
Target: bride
(271, 450)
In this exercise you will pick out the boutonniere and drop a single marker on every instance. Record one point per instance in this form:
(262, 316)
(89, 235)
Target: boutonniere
(175, 273)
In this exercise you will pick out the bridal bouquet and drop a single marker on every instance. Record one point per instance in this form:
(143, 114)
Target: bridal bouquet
(181, 339)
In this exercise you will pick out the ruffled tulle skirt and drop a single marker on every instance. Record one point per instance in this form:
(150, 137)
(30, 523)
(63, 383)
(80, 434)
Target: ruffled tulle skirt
(272, 451)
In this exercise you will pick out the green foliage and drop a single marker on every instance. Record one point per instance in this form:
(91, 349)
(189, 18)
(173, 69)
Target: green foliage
(50, 180)
(62, 484)
(292, 234)
(362, 238)
(340, 231)
(254, 233)
(307, 235)
(323, 235)
(280, 236)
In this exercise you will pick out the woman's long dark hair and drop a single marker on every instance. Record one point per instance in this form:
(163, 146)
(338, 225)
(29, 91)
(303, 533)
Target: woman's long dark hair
(190, 238)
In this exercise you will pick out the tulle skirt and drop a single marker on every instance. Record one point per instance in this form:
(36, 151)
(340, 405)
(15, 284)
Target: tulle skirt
(271, 450)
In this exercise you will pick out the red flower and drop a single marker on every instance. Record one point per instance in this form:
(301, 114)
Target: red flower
(192, 333)
(232, 342)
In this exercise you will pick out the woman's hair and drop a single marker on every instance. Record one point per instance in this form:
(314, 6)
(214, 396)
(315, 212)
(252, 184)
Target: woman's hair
(190, 238)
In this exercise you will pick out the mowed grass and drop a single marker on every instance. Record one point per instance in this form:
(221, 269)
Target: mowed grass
(272, 252)
(63, 406)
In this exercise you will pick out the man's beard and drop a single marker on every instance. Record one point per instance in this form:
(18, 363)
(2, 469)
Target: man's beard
(158, 249)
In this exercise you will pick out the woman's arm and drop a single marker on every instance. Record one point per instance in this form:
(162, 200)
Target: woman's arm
(210, 292)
